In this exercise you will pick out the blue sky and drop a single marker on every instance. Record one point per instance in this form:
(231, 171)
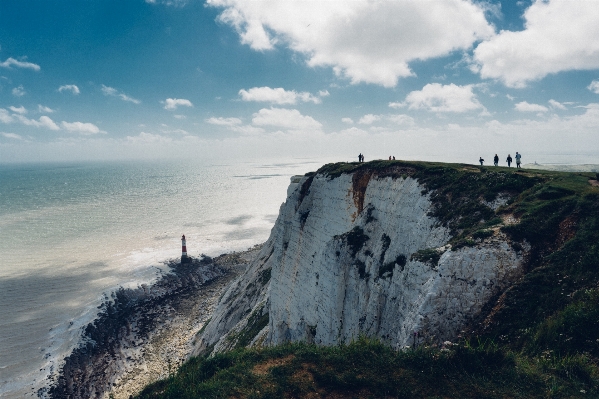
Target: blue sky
(447, 80)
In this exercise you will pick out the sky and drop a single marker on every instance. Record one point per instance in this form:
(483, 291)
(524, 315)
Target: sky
(440, 80)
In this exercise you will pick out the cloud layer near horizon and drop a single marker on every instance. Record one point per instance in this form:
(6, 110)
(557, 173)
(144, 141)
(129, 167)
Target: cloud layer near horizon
(324, 76)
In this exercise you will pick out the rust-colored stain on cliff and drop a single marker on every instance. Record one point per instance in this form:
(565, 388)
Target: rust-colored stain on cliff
(360, 181)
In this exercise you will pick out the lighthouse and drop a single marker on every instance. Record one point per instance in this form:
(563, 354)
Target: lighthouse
(184, 257)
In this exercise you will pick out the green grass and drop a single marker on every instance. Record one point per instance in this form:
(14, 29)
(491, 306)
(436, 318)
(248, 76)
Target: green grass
(369, 369)
(544, 329)
(430, 256)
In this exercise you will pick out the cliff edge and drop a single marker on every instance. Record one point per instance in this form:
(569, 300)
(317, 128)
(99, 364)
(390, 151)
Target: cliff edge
(405, 252)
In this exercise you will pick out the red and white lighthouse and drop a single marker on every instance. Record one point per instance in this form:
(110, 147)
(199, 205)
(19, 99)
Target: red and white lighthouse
(184, 258)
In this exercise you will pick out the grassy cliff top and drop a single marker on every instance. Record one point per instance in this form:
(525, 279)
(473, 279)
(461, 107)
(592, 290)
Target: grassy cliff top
(368, 369)
(538, 338)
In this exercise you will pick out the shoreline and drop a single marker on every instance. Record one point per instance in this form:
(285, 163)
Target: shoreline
(142, 334)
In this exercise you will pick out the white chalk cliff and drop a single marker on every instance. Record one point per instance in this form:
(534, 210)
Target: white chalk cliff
(340, 263)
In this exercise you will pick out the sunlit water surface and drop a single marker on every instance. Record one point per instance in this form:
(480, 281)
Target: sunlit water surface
(69, 233)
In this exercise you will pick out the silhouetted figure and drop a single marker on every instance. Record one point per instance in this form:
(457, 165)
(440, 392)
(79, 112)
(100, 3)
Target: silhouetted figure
(360, 157)
(509, 160)
(481, 160)
(495, 160)
(389, 157)
(394, 157)
(518, 158)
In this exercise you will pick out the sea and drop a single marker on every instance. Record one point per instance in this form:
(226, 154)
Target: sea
(71, 233)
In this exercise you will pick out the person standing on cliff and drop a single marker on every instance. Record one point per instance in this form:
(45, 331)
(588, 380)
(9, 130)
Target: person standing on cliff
(509, 160)
(360, 158)
(518, 160)
(481, 160)
(496, 160)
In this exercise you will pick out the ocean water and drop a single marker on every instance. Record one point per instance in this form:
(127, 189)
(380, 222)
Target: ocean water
(72, 233)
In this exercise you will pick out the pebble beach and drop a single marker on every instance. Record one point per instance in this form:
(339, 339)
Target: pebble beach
(141, 335)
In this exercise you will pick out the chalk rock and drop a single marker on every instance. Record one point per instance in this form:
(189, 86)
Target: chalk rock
(339, 265)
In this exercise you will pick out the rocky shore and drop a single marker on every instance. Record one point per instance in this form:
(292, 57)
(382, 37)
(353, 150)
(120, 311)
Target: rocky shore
(143, 334)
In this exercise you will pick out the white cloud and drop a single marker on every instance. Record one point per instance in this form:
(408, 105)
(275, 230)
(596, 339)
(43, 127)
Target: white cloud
(557, 105)
(12, 136)
(20, 110)
(524, 106)
(509, 97)
(19, 64)
(279, 95)
(247, 129)
(148, 138)
(72, 88)
(111, 91)
(444, 98)
(284, 118)
(176, 131)
(368, 119)
(397, 105)
(347, 120)
(403, 120)
(324, 93)
(44, 109)
(19, 91)
(173, 103)
(594, 86)
(361, 40)
(224, 121)
(81, 127)
(5, 116)
(43, 121)
(172, 3)
(235, 125)
(179, 116)
(559, 35)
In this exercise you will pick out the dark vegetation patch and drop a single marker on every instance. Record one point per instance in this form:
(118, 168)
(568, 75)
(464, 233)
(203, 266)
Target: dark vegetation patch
(305, 190)
(386, 240)
(400, 260)
(361, 266)
(551, 193)
(256, 322)
(355, 239)
(471, 240)
(265, 276)
(303, 216)
(369, 217)
(368, 369)
(462, 242)
(493, 222)
(482, 234)
(429, 255)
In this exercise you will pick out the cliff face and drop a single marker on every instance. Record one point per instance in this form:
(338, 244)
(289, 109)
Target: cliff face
(365, 253)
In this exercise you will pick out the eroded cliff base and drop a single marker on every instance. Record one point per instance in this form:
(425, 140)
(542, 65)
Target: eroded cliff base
(142, 335)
